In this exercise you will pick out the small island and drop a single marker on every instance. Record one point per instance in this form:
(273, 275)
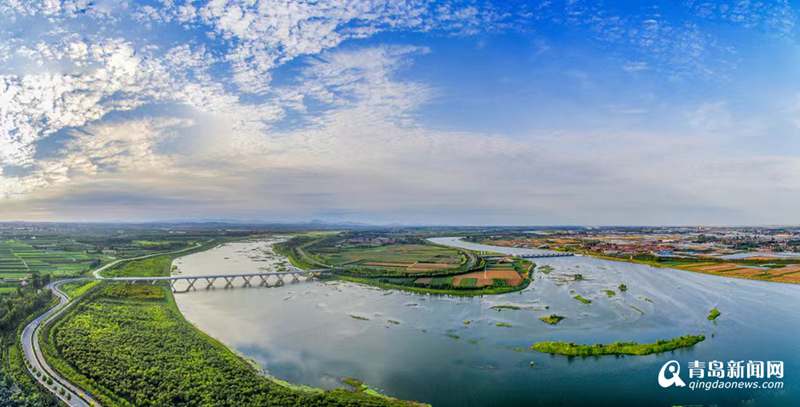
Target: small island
(582, 299)
(714, 314)
(552, 319)
(617, 348)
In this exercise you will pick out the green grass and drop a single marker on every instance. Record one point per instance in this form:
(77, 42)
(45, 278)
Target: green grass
(623, 288)
(129, 345)
(468, 282)
(714, 314)
(75, 289)
(617, 348)
(503, 325)
(151, 267)
(610, 293)
(582, 299)
(552, 319)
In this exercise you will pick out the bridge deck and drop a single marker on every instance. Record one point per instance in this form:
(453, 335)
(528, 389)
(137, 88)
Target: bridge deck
(215, 276)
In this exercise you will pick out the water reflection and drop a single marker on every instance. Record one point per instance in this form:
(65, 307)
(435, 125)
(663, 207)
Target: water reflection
(422, 347)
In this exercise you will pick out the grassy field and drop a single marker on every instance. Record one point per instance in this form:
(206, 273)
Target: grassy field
(129, 345)
(75, 289)
(152, 267)
(617, 348)
(389, 259)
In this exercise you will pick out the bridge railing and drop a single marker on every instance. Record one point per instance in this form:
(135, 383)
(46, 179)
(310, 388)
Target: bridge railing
(261, 279)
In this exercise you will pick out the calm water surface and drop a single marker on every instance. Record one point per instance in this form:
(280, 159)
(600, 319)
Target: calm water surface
(418, 347)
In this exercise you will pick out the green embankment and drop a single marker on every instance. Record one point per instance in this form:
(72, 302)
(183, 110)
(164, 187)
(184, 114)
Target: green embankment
(617, 348)
(75, 289)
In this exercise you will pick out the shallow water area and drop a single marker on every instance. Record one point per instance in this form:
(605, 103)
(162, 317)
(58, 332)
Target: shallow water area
(450, 351)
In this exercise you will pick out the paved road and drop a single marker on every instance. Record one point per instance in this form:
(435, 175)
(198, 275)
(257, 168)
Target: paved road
(73, 396)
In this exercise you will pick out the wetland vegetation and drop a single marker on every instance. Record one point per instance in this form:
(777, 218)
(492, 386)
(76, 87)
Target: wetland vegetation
(617, 348)
(582, 299)
(552, 319)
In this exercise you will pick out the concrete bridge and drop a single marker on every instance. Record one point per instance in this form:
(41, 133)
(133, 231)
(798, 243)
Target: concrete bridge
(260, 279)
(533, 256)
(544, 255)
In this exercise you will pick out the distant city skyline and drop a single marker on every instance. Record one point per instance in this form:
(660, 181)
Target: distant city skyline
(406, 112)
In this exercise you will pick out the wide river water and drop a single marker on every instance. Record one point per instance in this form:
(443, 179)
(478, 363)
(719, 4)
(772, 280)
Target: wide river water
(419, 347)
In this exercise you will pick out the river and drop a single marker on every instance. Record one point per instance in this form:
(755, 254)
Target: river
(419, 347)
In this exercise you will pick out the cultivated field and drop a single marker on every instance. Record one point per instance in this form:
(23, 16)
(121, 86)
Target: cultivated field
(392, 258)
(20, 258)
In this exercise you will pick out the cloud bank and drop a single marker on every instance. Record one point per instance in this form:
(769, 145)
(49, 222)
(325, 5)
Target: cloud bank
(287, 111)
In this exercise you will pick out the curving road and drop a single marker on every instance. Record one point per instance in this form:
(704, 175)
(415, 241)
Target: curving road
(73, 395)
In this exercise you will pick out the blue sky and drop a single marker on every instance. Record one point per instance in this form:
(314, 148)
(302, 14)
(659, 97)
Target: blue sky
(453, 112)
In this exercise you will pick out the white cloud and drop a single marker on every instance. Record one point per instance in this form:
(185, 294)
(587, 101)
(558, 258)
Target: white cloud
(216, 144)
(711, 117)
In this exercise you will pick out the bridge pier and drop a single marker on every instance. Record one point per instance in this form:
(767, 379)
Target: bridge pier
(281, 279)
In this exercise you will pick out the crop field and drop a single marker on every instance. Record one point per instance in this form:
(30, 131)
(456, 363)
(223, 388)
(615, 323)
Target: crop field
(129, 345)
(495, 274)
(789, 273)
(20, 258)
(488, 278)
(406, 258)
